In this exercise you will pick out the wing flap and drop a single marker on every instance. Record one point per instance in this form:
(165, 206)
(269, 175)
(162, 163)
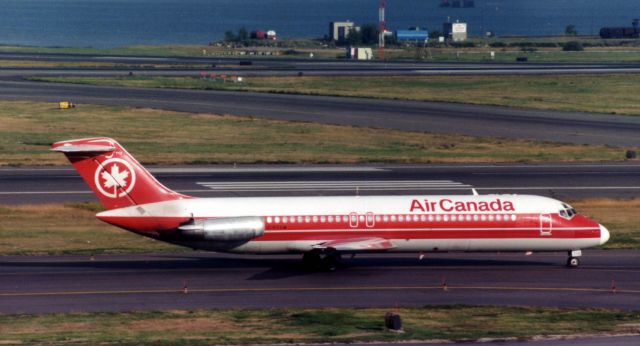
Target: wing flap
(357, 244)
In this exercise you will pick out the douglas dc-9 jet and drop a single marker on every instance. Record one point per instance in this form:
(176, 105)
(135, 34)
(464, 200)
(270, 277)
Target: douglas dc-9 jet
(323, 228)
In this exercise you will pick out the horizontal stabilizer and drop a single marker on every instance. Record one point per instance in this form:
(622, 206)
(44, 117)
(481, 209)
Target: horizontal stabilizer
(84, 148)
(357, 244)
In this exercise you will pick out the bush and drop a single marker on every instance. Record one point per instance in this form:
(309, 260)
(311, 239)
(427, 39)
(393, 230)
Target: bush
(572, 46)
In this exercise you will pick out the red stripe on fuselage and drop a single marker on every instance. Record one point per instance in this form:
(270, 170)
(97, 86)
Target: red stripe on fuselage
(525, 226)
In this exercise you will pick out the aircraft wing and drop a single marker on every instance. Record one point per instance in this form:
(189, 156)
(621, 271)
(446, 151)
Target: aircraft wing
(357, 244)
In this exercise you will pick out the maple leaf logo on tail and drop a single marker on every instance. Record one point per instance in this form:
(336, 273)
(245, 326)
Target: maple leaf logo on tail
(115, 174)
(115, 179)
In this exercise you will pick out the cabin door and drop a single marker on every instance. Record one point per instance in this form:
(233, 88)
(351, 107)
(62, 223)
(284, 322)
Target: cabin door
(371, 221)
(353, 220)
(545, 225)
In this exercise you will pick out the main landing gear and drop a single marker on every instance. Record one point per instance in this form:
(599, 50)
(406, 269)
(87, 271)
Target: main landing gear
(321, 259)
(573, 261)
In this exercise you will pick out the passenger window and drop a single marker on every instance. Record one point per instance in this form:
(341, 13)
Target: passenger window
(385, 218)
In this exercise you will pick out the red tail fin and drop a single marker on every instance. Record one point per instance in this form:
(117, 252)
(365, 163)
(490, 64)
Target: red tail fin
(113, 174)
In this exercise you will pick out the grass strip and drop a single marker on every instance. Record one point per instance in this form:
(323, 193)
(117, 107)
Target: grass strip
(610, 93)
(27, 129)
(73, 229)
(210, 327)
(48, 229)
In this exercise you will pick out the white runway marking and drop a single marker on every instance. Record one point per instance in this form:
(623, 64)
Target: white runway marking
(347, 186)
(367, 185)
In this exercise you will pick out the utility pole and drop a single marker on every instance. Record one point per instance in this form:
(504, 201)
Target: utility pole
(382, 28)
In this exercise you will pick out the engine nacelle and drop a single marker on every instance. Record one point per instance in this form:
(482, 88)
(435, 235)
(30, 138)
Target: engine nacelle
(227, 229)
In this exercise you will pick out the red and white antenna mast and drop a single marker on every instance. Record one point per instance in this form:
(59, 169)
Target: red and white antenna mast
(383, 4)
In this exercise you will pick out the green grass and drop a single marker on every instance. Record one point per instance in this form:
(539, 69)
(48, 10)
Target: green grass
(609, 93)
(67, 229)
(619, 216)
(210, 327)
(73, 229)
(27, 130)
(165, 50)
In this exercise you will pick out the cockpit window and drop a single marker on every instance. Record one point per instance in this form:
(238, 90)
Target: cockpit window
(567, 211)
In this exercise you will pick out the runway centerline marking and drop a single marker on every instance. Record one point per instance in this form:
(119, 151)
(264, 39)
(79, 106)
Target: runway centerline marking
(319, 289)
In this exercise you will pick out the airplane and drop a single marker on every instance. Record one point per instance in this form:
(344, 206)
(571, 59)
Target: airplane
(324, 228)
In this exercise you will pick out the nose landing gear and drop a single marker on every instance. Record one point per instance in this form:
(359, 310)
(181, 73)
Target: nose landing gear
(573, 261)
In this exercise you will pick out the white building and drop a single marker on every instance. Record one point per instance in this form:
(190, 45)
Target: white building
(456, 32)
(340, 30)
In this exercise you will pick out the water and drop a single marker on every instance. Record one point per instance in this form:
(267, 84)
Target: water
(109, 23)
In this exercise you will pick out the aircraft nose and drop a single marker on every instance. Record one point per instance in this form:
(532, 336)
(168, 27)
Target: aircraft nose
(604, 235)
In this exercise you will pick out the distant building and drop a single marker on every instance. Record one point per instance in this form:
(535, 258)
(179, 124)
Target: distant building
(262, 35)
(412, 35)
(622, 32)
(258, 34)
(456, 32)
(355, 53)
(339, 31)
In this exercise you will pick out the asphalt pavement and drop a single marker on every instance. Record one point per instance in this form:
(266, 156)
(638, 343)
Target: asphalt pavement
(34, 284)
(563, 181)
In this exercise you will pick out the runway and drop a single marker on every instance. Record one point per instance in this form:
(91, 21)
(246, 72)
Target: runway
(607, 279)
(286, 66)
(564, 181)
(394, 114)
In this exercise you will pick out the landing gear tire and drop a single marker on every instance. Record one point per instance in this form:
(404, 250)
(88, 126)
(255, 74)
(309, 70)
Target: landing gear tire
(331, 261)
(312, 259)
(319, 260)
(573, 262)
